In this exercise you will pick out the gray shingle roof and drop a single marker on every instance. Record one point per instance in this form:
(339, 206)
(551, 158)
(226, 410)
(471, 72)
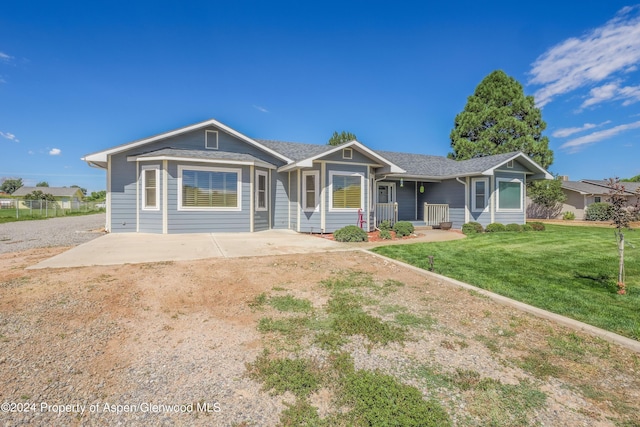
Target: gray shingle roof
(583, 187)
(54, 191)
(202, 154)
(295, 150)
(631, 187)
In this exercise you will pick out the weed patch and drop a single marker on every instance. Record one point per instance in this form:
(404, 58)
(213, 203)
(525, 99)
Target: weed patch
(290, 303)
(299, 376)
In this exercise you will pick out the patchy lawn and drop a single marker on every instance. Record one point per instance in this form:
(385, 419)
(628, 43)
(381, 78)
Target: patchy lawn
(567, 270)
(336, 339)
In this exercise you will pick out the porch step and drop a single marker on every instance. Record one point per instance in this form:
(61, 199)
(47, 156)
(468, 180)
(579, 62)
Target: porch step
(418, 223)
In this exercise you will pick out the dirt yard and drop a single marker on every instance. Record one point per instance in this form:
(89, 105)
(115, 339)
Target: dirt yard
(168, 344)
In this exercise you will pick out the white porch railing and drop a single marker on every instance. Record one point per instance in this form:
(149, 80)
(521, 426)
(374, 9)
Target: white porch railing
(435, 214)
(386, 212)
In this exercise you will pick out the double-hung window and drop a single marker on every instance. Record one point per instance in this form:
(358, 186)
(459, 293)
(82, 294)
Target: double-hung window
(310, 190)
(347, 190)
(261, 191)
(150, 188)
(479, 194)
(509, 194)
(204, 188)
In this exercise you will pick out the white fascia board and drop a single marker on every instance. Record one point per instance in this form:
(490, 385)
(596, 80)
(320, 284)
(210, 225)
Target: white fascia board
(192, 160)
(308, 162)
(101, 156)
(521, 156)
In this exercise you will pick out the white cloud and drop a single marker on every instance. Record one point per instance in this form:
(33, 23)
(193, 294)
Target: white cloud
(578, 62)
(563, 133)
(612, 91)
(9, 136)
(576, 144)
(5, 57)
(55, 152)
(261, 109)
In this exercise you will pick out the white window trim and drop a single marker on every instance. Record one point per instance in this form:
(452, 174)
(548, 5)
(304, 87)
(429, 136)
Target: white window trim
(206, 139)
(362, 191)
(266, 190)
(498, 181)
(209, 169)
(349, 151)
(473, 194)
(316, 175)
(144, 206)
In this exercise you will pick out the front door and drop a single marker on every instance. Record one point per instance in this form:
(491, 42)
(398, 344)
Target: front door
(385, 192)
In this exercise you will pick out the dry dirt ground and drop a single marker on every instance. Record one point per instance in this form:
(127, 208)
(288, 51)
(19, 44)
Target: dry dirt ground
(111, 345)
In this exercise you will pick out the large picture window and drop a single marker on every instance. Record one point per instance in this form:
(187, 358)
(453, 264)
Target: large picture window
(310, 190)
(150, 188)
(346, 190)
(210, 188)
(509, 194)
(479, 194)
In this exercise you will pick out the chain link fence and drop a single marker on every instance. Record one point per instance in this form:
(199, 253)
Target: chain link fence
(18, 208)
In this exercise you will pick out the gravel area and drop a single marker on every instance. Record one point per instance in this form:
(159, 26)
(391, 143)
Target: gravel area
(180, 334)
(61, 231)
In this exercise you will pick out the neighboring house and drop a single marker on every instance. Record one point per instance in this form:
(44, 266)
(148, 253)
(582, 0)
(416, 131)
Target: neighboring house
(66, 197)
(581, 194)
(208, 177)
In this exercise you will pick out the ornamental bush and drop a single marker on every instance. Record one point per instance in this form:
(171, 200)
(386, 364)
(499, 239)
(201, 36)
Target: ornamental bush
(350, 233)
(598, 212)
(477, 226)
(385, 225)
(536, 226)
(527, 227)
(496, 227)
(385, 235)
(468, 229)
(513, 227)
(568, 216)
(403, 228)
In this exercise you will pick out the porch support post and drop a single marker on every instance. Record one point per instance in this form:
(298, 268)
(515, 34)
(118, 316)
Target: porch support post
(492, 204)
(165, 197)
(251, 198)
(323, 194)
(298, 202)
(138, 201)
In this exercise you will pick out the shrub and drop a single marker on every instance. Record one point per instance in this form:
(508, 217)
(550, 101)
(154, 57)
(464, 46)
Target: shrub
(469, 228)
(513, 227)
(477, 226)
(385, 225)
(385, 234)
(568, 216)
(496, 227)
(598, 212)
(350, 233)
(536, 226)
(403, 228)
(527, 227)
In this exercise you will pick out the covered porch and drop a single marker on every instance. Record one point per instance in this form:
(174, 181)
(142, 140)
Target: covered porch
(408, 200)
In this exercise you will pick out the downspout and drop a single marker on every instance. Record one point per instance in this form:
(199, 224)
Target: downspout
(466, 198)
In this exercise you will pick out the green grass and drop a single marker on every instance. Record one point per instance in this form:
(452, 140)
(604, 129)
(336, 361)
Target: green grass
(571, 271)
(9, 215)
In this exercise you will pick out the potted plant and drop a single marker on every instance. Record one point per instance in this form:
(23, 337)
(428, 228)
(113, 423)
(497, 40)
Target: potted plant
(446, 225)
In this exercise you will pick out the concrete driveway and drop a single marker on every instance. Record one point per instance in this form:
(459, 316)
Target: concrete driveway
(133, 248)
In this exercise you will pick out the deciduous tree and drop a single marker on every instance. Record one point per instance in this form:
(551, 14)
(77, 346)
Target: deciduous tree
(11, 185)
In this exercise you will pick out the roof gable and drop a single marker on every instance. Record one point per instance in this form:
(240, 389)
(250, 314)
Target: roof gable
(54, 191)
(99, 158)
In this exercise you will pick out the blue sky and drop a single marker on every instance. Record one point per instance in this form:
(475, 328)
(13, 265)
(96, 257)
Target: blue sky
(78, 77)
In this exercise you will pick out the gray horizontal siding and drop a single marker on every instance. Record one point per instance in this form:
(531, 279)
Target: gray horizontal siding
(207, 221)
(406, 198)
(123, 194)
(280, 207)
(337, 220)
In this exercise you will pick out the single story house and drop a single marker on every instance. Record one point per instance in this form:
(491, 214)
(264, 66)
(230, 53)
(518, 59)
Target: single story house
(581, 194)
(207, 177)
(66, 197)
